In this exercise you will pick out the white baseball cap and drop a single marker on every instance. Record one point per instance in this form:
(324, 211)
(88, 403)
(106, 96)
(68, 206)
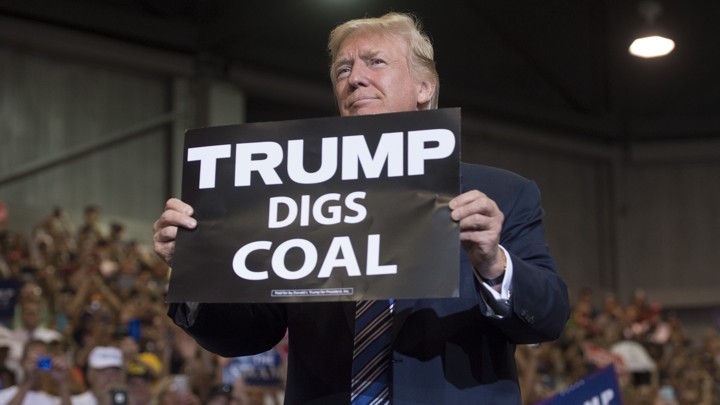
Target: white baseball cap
(105, 357)
(47, 335)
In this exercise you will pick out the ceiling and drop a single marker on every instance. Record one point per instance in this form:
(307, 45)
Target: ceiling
(560, 64)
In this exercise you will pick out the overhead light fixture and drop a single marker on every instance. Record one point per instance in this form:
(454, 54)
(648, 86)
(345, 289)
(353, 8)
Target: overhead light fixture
(654, 45)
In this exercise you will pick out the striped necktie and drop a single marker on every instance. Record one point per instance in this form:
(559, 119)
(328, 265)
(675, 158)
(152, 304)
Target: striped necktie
(371, 353)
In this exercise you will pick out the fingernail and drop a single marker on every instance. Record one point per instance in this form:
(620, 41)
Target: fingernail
(191, 223)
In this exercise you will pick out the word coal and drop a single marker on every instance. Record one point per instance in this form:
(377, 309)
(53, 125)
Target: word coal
(340, 254)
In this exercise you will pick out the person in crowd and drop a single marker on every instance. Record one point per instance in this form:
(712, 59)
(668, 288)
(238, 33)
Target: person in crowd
(444, 351)
(90, 233)
(30, 308)
(142, 374)
(53, 239)
(187, 358)
(31, 327)
(106, 371)
(176, 390)
(223, 394)
(7, 374)
(43, 374)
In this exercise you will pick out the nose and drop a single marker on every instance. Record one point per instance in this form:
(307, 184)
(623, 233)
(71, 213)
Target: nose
(358, 76)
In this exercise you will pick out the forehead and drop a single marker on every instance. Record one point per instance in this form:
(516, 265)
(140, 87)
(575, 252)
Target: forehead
(364, 42)
(108, 371)
(37, 348)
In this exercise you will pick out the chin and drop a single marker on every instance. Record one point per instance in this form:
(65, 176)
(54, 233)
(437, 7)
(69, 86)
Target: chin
(367, 111)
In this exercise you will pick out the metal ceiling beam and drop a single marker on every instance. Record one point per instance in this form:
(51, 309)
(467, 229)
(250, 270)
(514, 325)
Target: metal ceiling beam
(100, 143)
(83, 45)
(110, 19)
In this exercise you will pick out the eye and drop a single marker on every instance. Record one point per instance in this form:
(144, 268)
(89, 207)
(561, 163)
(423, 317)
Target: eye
(342, 72)
(377, 62)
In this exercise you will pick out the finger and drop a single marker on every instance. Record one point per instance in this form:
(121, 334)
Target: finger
(472, 239)
(465, 198)
(166, 234)
(473, 223)
(58, 361)
(479, 206)
(164, 242)
(175, 204)
(174, 218)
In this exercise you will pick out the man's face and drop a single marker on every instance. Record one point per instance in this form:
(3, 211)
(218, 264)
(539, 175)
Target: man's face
(30, 316)
(371, 75)
(140, 390)
(32, 353)
(100, 379)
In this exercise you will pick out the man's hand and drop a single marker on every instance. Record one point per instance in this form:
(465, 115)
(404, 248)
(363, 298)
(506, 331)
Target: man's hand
(165, 229)
(480, 222)
(60, 371)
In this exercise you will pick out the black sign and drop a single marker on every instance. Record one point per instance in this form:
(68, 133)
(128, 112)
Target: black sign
(328, 209)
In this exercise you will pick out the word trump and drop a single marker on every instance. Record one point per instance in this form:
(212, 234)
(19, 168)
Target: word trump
(265, 157)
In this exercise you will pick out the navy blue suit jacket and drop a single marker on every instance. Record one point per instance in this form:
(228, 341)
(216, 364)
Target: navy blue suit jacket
(445, 351)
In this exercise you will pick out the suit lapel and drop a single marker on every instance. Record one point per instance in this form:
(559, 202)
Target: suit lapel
(349, 311)
(401, 310)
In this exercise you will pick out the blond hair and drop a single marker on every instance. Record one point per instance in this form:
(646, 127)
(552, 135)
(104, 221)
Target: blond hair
(421, 57)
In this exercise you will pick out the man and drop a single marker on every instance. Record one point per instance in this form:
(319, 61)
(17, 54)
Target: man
(42, 374)
(30, 325)
(178, 392)
(31, 318)
(142, 374)
(444, 351)
(106, 370)
(7, 375)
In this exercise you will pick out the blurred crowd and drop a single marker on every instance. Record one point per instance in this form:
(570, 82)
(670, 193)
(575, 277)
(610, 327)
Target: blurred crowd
(655, 360)
(82, 321)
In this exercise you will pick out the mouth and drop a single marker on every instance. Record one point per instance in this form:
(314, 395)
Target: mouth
(357, 102)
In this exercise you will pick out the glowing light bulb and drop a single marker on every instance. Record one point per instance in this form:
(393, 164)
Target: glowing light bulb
(652, 47)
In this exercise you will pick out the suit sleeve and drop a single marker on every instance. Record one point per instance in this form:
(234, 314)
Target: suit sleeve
(232, 330)
(539, 298)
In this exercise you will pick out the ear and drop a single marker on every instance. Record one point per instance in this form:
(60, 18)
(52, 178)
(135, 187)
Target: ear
(425, 93)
